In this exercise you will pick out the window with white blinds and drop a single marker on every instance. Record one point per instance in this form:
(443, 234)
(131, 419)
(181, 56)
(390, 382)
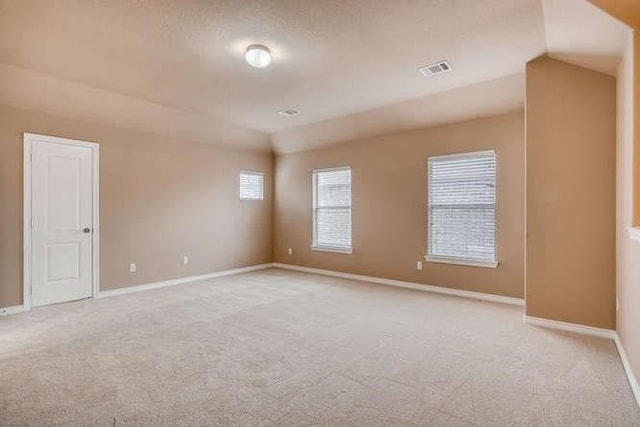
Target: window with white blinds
(462, 208)
(332, 209)
(251, 185)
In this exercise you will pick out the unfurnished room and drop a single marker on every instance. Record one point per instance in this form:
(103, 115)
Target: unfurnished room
(319, 213)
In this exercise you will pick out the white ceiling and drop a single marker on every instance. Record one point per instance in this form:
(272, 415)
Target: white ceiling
(493, 97)
(580, 33)
(176, 66)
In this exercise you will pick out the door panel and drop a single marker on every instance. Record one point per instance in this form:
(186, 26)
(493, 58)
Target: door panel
(62, 194)
(63, 261)
(62, 206)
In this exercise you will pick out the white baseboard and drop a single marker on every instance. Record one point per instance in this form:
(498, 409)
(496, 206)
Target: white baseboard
(633, 382)
(409, 285)
(570, 327)
(11, 310)
(155, 285)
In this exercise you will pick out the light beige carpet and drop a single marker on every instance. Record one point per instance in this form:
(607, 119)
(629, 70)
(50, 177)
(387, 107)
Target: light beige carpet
(281, 348)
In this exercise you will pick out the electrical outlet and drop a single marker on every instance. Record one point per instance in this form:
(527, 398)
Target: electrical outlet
(132, 268)
(290, 251)
(185, 260)
(419, 265)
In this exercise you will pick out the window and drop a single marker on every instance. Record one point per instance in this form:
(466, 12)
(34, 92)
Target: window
(251, 185)
(332, 209)
(462, 209)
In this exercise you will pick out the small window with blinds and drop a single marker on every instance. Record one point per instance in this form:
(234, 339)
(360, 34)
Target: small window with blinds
(462, 209)
(251, 185)
(332, 209)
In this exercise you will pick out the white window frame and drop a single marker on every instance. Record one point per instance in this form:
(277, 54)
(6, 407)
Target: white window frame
(248, 172)
(324, 248)
(462, 260)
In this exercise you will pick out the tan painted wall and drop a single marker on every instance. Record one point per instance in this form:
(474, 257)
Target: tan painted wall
(571, 134)
(160, 198)
(389, 205)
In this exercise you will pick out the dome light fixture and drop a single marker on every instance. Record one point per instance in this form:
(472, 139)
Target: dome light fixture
(258, 56)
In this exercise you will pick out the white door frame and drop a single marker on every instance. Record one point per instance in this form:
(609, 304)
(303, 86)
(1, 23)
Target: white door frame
(29, 138)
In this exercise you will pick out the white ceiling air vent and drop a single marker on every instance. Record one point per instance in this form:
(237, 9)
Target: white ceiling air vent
(289, 112)
(433, 69)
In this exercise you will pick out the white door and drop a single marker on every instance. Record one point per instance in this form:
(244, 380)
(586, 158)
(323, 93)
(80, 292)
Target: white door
(62, 229)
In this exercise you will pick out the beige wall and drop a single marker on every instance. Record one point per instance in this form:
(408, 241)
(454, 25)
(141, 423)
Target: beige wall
(571, 133)
(628, 279)
(389, 205)
(160, 198)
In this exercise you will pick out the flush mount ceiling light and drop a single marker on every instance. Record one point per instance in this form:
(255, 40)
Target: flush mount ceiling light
(258, 56)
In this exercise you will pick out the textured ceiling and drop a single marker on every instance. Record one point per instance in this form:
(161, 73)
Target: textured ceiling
(499, 96)
(177, 67)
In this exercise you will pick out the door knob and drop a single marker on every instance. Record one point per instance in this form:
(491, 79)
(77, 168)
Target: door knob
(86, 230)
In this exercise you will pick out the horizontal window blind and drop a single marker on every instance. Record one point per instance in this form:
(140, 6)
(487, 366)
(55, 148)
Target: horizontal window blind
(332, 208)
(251, 185)
(462, 206)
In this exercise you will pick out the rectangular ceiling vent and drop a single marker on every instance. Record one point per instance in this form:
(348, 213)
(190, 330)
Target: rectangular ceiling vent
(289, 112)
(433, 69)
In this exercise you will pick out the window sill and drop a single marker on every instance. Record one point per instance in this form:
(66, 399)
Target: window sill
(457, 261)
(634, 233)
(332, 249)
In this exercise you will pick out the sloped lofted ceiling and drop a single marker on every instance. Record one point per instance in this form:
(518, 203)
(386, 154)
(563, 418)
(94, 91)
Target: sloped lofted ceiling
(580, 33)
(176, 66)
